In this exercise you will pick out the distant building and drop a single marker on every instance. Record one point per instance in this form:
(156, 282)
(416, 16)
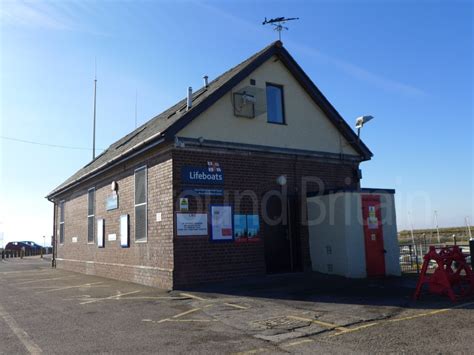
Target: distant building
(195, 194)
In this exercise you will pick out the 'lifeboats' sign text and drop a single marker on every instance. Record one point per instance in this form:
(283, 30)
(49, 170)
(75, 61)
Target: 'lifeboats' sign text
(211, 175)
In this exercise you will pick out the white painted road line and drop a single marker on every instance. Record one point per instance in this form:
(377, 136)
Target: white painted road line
(23, 336)
(192, 296)
(299, 342)
(187, 312)
(236, 306)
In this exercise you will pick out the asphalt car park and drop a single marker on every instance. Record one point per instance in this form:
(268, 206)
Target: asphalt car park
(56, 311)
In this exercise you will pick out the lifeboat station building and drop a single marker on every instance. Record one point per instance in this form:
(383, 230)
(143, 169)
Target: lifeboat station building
(254, 173)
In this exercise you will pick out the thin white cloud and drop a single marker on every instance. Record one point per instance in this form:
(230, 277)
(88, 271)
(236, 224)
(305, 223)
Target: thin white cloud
(32, 14)
(57, 16)
(363, 74)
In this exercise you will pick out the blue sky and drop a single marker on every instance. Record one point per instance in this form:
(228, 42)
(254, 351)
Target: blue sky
(407, 63)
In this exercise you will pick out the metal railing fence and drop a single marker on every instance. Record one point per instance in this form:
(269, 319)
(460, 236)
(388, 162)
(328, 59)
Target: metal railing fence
(411, 255)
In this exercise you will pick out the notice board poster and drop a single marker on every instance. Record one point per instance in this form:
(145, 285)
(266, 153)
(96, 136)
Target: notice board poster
(246, 228)
(253, 228)
(191, 224)
(221, 223)
(240, 228)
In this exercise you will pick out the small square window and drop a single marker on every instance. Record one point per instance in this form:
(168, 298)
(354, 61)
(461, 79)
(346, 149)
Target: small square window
(275, 106)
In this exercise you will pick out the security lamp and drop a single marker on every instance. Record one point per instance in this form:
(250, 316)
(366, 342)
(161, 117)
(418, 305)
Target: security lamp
(281, 180)
(360, 122)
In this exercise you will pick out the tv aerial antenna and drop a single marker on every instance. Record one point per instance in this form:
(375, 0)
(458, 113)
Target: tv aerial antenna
(278, 23)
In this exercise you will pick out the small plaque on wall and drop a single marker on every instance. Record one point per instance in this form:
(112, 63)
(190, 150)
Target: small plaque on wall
(111, 203)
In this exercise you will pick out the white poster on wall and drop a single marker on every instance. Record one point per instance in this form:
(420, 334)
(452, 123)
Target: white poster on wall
(100, 233)
(191, 224)
(372, 220)
(124, 240)
(221, 223)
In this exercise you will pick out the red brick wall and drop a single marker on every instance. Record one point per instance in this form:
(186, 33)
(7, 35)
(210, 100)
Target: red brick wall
(169, 261)
(199, 260)
(149, 263)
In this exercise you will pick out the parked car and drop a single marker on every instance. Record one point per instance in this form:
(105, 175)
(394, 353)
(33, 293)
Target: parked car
(33, 245)
(28, 245)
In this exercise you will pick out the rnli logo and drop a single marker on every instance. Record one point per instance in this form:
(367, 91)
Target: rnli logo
(213, 167)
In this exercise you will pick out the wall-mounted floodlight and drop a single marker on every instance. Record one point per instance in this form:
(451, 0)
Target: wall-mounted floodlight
(281, 180)
(360, 122)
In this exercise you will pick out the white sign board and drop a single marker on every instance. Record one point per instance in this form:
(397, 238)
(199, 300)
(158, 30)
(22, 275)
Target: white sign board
(74, 239)
(191, 224)
(124, 231)
(221, 223)
(112, 237)
(100, 233)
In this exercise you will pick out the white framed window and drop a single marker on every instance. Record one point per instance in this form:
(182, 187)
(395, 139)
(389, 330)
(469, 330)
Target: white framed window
(141, 199)
(90, 215)
(61, 222)
(275, 104)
